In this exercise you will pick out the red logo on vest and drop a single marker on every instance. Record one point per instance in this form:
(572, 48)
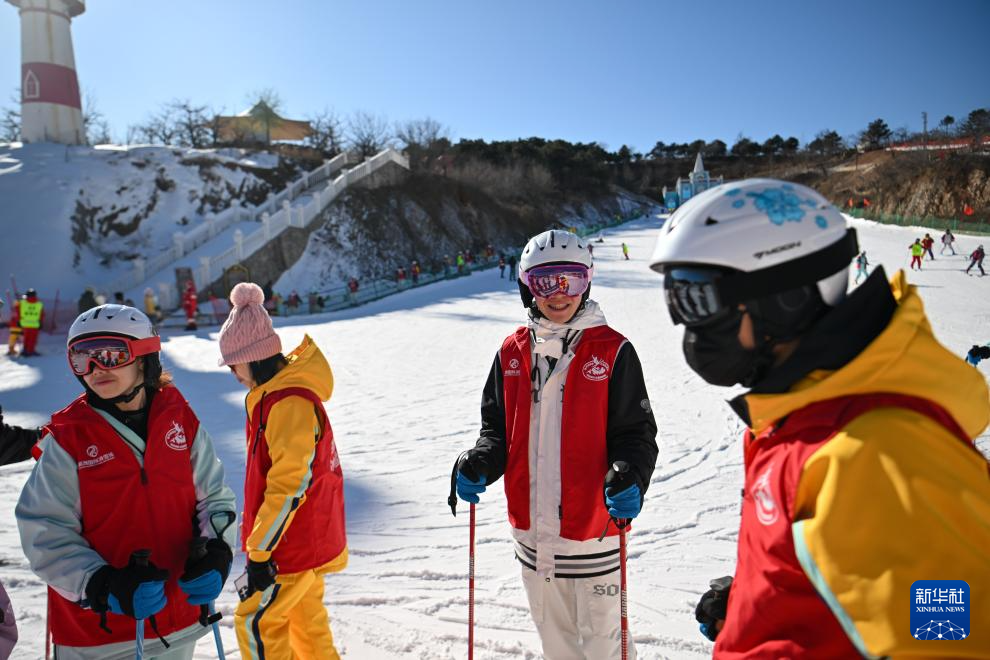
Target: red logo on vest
(92, 451)
(595, 369)
(175, 437)
(513, 369)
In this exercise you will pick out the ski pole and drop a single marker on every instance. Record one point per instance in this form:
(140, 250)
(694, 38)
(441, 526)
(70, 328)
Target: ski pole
(139, 558)
(621, 524)
(207, 616)
(471, 591)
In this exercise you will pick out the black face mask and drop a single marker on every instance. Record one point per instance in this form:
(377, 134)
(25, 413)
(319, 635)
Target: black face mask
(713, 351)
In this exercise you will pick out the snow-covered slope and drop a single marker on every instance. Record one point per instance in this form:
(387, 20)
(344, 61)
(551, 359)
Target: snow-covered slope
(409, 371)
(74, 216)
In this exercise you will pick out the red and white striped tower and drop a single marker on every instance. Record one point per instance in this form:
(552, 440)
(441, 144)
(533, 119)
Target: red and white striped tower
(51, 110)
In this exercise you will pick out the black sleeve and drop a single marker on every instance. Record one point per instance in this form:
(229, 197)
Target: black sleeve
(16, 443)
(631, 432)
(491, 446)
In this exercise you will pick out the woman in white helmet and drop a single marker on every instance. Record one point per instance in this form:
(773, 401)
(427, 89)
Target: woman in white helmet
(564, 401)
(861, 477)
(126, 467)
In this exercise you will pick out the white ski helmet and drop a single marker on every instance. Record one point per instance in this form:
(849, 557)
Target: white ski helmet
(112, 319)
(554, 246)
(783, 235)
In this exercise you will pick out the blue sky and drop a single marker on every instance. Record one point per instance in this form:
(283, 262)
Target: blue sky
(616, 72)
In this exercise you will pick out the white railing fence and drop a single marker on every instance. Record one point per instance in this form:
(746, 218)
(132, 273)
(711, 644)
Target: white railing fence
(275, 214)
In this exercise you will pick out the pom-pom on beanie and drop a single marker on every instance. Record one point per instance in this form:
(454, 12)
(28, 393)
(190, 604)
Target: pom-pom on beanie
(247, 334)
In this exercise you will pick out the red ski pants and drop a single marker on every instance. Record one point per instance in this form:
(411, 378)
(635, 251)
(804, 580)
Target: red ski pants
(30, 339)
(916, 260)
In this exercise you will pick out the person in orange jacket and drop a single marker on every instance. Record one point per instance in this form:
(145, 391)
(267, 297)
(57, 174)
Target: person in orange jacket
(293, 525)
(863, 483)
(14, 327)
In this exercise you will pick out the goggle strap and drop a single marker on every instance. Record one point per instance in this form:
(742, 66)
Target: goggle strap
(740, 287)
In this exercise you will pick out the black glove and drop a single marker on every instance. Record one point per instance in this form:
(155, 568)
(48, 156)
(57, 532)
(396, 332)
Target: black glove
(472, 465)
(135, 591)
(218, 557)
(261, 574)
(468, 478)
(712, 607)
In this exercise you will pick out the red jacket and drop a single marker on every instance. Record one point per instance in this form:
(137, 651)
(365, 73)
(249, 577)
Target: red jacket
(318, 509)
(126, 507)
(583, 424)
(767, 569)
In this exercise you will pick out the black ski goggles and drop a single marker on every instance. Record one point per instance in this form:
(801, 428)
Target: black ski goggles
(693, 296)
(697, 295)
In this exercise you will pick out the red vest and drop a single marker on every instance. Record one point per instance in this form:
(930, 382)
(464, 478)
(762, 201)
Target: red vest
(584, 416)
(127, 508)
(774, 610)
(317, 534)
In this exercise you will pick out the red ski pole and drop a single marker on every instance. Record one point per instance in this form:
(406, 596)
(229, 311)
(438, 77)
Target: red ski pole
(621, 524)
(471, 592)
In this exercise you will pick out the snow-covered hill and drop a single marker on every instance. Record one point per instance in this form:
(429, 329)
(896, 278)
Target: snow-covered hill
(409, 371)
(75, 216)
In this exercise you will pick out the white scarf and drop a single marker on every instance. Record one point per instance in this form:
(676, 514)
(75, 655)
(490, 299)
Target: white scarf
(550, 336)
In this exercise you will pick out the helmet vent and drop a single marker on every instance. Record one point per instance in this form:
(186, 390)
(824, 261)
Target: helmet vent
(711, 221)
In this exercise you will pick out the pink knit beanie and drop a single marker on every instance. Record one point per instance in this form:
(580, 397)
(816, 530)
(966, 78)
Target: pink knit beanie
(247, 334)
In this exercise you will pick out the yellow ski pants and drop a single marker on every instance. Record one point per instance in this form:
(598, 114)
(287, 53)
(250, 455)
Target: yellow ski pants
(292, 624)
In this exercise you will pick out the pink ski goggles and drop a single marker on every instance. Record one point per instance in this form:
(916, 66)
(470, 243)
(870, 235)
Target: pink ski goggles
(565, 279)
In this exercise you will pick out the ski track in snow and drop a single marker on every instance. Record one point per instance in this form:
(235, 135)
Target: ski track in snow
(409, 372)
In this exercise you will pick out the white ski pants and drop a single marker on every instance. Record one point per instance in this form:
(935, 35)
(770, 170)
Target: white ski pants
(577, 618)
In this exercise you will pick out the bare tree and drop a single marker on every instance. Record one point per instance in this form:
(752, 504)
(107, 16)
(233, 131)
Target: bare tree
(10, 119)
(327, 135)
(191, 123)
(367, 133)
(423, 140)
(160, 128)
(95, 126)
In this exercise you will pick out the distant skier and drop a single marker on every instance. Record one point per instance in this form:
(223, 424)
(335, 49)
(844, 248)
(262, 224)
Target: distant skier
(293, 519)
(124, 467)
(917, 252)
(927, 242)
(555, 450)
(14, 328)
(151, 308)
(625, 251)
(415, 270)
(501, 266)
(32, 317)
(976, 259)
(87, 300)
(861, 472)
(948, 238)
(190, 305)
(978, 353)
(862, 266)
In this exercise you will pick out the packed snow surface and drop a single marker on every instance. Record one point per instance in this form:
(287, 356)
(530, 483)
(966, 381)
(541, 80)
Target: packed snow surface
(408, 377)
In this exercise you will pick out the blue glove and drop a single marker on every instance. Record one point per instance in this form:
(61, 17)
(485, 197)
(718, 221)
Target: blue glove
(135, 591)
(147, 599)
(624, 504)
(206, 571)
(469, 490)
(204, 589)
